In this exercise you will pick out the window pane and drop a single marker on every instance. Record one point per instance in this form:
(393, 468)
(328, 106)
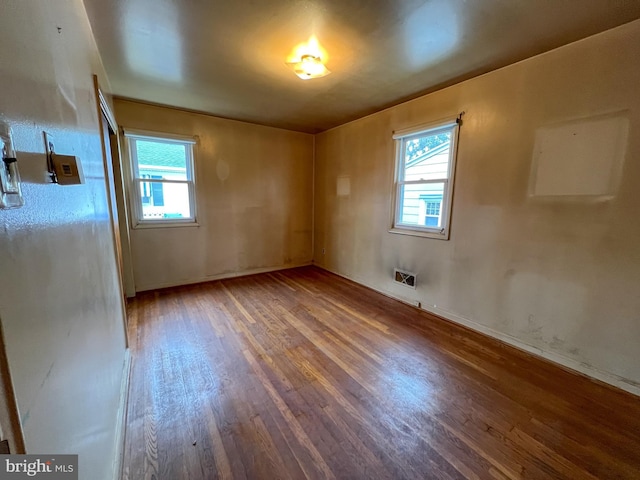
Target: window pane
(427, 157)
(421, 205)
(161, 160)
(165, 201)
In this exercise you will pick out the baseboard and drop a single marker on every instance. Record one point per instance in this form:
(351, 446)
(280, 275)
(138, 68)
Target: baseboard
(221, 276)
(565, 362)
(121, 420)
(560, 360)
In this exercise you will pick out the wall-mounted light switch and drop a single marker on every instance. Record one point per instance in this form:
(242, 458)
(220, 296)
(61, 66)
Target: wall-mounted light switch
(10, 188)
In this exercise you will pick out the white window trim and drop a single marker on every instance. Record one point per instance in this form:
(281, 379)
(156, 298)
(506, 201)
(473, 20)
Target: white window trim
(400, 137)
(137, 220)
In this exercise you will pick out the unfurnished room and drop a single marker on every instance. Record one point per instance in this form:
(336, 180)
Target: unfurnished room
(320, 239)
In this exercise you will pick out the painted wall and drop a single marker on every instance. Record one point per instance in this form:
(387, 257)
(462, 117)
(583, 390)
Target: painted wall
(60, 301)
(557, 277)
(254, 200)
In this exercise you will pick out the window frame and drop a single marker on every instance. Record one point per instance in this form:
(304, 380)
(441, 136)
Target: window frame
(400, 138)
(135, 179)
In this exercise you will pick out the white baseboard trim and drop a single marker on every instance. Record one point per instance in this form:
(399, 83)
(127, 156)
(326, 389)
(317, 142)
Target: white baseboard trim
(562, 361)
(121, 421)
(221, 276)
(565, 362)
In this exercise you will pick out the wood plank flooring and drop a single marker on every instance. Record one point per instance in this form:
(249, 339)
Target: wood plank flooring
(302, 374)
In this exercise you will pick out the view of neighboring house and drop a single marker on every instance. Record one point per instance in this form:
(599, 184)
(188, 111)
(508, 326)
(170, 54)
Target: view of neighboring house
(423, 201)
(160, 162)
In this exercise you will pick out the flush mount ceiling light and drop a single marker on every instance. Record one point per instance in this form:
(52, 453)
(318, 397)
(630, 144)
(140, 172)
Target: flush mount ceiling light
(306, 61)
(308, 67)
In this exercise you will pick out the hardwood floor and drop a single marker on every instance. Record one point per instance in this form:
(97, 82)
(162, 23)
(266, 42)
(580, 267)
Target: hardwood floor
(302, 374)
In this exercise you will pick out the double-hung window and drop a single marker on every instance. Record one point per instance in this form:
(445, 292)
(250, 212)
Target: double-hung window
(425, 168)
(163, 188)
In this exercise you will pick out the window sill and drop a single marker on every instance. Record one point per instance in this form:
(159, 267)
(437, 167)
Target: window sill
(420, 233)
(143, 226)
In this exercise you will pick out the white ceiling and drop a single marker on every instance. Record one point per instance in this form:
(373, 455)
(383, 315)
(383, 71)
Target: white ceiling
(227, 58)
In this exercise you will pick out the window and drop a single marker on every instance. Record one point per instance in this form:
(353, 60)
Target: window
(425, 166)
(431, 206)
(163, 180)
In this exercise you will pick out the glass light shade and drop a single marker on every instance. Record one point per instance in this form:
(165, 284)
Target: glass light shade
(308, 67)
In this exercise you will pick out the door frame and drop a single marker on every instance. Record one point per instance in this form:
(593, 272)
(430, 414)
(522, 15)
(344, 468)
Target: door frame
(105, 113)
(10, 423)
(113, 178)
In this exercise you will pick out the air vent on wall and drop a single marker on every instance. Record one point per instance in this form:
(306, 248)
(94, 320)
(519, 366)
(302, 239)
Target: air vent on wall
(407, 279)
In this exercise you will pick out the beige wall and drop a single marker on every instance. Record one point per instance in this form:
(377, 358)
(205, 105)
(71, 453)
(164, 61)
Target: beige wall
(557, 277)
(258, 217)
(60, 301)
